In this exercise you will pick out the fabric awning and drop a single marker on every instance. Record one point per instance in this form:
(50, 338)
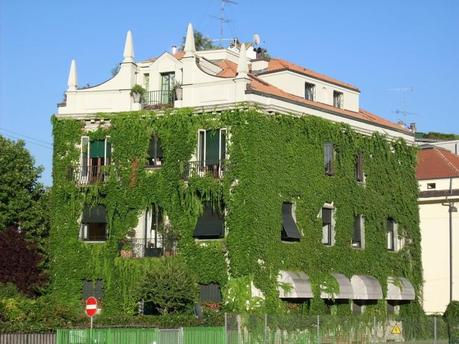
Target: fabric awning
(210, 224)
(345, 289)
(400, 288)
(366, 287)
(97, 214)
(299, 285)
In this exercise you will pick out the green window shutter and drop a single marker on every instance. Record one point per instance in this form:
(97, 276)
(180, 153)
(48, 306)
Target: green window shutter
(109, 148)
(97, 149)
(212, 147)
(159, 149)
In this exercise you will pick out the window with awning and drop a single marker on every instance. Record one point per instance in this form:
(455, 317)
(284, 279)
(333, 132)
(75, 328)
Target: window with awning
(344, 288)
(289, 230)
(366, 287)
(400, 288)
(94, 223)
(210, 224)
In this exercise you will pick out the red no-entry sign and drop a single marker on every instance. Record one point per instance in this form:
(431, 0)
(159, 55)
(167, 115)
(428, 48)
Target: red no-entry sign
(91, 306)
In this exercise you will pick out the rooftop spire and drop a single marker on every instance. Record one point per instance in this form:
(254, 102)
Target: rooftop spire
(242, 66)
(190, 47)
(128, 48)
(72, 81)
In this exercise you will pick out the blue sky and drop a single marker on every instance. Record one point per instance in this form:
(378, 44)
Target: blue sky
(379, 46)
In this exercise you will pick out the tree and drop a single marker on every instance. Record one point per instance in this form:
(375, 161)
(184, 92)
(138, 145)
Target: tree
(201, 42)
(24, 202)
(169, 286)
(20, 261)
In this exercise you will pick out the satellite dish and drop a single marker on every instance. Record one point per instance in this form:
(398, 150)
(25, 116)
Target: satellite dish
(256, 39)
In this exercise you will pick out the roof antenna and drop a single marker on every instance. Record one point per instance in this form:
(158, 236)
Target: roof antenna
(402, 108)
(222, 17)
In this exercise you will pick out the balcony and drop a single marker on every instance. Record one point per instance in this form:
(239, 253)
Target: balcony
(159, 99)
(199, 168)
(88, 175)
(145, 247)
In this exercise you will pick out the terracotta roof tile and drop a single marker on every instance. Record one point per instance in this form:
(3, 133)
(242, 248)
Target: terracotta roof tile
(434, 162)
(262, 86)
(229, 68)
(276, 65)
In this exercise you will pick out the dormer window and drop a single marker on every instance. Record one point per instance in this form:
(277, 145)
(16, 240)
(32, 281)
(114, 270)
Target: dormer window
(338, 98)
(309, 90)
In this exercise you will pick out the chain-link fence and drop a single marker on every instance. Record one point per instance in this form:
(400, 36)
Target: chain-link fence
(294, 329)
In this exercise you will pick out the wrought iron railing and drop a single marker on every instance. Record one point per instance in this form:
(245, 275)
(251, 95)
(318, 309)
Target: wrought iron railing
(199, 168)
(159, 98)
(86, 175)
(145, 247)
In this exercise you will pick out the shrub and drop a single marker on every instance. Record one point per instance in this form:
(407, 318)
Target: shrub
(169, 287)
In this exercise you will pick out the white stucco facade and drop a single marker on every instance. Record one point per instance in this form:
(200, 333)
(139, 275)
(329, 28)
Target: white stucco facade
(435, 241)
(197, 73)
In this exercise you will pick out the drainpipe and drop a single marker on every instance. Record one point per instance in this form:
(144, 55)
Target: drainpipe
(451, 209)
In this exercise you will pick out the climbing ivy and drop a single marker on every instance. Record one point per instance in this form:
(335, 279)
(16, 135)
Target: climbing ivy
(272, 159)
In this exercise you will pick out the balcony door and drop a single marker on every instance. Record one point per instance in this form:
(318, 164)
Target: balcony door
(167, 85)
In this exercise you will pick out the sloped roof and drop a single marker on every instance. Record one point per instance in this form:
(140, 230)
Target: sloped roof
(261, 86)
(277, 65)
(434, 162)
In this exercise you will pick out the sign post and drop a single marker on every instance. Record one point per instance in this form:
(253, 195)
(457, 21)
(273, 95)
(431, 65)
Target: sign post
(91, 310)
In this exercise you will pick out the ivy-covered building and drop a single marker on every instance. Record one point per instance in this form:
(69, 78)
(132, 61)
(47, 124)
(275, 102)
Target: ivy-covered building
(265, 178)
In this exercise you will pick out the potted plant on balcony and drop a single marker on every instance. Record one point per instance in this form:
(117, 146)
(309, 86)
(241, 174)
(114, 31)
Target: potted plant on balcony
(138, 93)
(178, 91)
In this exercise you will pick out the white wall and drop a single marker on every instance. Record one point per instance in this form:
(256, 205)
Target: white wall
(294, 83)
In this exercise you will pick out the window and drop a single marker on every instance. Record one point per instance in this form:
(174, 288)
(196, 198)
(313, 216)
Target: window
(210, 293)
(167, 86)
(329, 158)
(146, 82)
(94, 224)
(155, 152)
(93, 288)
(210, 224)
(391, 234)
(431, 185)
(211, 152)
(358, 235)
(328, 226)
(338, 99)
(359, 175)
(151, 244)
(309, 90)
(289, 229)
(95, 154)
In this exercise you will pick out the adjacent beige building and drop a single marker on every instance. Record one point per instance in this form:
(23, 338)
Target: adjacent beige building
(438, 176)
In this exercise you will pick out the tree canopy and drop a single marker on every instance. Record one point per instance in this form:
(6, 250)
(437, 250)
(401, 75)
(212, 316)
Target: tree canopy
(24, 201)
(201, 42)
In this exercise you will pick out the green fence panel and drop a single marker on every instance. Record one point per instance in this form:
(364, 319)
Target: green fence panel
(204, 335)
(108, 336)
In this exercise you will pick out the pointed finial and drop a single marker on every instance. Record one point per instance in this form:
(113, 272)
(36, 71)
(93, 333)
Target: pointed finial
(190, 47)
(242, 66)
(128, 48)
(72, 81)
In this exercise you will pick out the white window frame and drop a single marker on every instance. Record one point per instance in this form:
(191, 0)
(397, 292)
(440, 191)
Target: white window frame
(106, 141)
(201, 171)
(392, 238)
(329, 229)
(83, 179)
(361, 220)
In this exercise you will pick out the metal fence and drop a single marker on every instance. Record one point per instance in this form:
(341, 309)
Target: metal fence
(27, 338)
(332, 329)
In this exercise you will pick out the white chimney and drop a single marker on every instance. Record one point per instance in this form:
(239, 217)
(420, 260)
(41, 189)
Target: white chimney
(174, 50)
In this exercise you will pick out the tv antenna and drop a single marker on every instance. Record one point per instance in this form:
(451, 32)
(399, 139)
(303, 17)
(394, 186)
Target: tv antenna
(403, 94)
(222, 18)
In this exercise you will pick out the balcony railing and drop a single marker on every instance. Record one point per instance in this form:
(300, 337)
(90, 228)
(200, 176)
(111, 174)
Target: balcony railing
(201, 169)
(159, 98)
(141, 247)
(86, 175)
